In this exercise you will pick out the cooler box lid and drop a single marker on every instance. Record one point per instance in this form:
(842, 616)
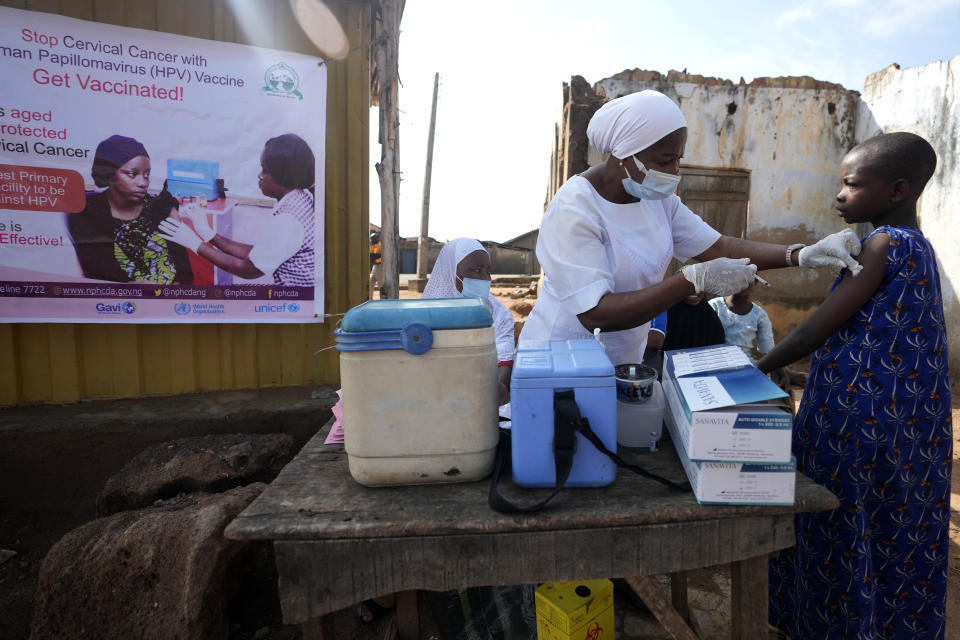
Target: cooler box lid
(560, 359)
(435, 313)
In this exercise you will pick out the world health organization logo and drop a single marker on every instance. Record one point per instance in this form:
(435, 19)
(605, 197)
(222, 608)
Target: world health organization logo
(281, 80)
(181, 308)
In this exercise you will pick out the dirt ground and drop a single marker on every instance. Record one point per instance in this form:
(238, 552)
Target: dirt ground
(30, 533)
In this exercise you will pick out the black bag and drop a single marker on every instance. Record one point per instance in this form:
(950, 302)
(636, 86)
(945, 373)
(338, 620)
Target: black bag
(567, 422)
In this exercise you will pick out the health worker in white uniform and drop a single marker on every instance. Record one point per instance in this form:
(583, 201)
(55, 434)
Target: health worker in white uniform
(607, 237)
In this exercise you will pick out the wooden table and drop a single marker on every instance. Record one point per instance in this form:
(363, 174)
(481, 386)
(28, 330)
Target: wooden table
(338, 543)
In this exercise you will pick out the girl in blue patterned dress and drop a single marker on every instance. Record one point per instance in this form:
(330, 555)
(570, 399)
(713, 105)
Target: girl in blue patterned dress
(874, 423)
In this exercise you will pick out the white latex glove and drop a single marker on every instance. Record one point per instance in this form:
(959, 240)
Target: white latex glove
(199, 219)
(722, 276)
(179, 233)
(836, 250)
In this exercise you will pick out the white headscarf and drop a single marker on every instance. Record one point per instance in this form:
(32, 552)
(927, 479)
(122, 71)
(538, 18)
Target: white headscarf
(629, 124)
(442, 284)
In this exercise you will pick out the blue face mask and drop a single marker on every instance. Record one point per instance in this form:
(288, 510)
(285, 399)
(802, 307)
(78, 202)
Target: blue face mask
(656, 185)
(473, 288)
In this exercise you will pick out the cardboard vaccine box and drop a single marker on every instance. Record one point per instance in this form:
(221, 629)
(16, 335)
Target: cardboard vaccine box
(575, 610)
(734, 482)
(733, 415)
(739, 433)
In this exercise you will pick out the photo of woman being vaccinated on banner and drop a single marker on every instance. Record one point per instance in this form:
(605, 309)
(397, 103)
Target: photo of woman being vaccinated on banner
(117, 236)
(285, 248)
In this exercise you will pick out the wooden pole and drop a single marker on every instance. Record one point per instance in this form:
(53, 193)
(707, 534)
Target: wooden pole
(386, 53)
(422, 250)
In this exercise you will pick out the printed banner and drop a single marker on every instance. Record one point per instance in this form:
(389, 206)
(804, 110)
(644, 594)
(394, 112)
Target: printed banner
(148, 177)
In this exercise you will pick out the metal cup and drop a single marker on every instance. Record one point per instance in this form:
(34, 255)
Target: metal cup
(634, 382)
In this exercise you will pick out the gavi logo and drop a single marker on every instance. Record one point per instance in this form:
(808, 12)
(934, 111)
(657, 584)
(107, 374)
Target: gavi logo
(124, 308)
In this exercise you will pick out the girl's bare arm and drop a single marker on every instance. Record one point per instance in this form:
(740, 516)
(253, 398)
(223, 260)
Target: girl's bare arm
(844, 301)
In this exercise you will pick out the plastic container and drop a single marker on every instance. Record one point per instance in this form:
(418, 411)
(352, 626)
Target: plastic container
(540, 368)
(635, 382)
(419, 381)
(641, 424)
(575, 610)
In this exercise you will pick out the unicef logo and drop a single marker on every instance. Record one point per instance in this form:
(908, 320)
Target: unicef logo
(281, 80)
(293, 307)
(128, 308)
(181, 308)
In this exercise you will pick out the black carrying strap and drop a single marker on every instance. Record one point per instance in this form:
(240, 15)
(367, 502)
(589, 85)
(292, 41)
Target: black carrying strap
(565, 427)
(567, 422)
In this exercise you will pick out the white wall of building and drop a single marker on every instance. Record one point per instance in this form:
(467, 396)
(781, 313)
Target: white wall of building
(926, 101)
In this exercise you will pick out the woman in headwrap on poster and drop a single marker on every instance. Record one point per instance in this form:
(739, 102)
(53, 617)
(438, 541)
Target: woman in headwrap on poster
(609, 234)
(463, 269)
(117, 235)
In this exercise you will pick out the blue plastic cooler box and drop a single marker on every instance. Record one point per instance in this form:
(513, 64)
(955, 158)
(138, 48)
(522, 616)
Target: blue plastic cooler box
(541, 368)
(187, 177)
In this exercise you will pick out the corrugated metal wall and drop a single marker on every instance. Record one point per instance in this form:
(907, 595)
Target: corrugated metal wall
(68, 362)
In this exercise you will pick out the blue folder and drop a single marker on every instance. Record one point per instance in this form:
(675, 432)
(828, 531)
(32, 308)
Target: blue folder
(744, 385)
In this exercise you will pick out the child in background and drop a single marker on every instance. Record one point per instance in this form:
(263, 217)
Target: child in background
(689, 323)
(745, 324)
(692, 323)
(874, 423)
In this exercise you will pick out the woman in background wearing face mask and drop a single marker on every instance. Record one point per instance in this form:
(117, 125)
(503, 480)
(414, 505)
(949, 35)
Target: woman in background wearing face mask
(609, 234)
(463, 269)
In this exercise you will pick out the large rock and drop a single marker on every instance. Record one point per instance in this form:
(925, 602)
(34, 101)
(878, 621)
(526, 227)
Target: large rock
(164, 573)
(207, 463)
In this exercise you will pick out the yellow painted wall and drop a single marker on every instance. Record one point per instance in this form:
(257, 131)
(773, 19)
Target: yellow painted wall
(69, 362)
